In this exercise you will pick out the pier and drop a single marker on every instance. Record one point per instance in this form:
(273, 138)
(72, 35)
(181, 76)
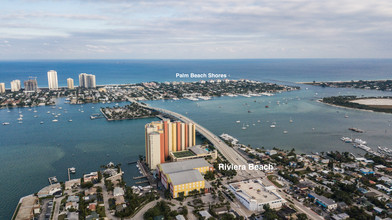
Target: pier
(139, 177)
(140, 182)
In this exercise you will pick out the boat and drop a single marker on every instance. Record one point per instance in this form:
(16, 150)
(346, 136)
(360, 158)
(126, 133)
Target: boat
(359, 141)
(346, 116)
(20, 119)
(272, 126)
(72, 170)
(41, 122)
(60, 107)
(291, 120)
(249, 111)
(356, 130)
(266, 106)
(82, 111)
(6, 123)
(35, 110)
(258, 121)
(20, 122)
(55, 120)
(238, 121)
(243, 127)
(35, 116)
(48, 112)
(346, 139)
(285, 132)
(70, 120)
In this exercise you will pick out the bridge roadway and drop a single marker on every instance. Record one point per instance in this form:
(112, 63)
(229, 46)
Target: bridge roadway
(232, 156)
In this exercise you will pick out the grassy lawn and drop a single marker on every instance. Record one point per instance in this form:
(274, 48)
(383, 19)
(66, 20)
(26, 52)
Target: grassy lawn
(272, 178)
(180, 154)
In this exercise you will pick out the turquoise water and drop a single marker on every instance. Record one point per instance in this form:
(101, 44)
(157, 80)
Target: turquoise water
(31, 152)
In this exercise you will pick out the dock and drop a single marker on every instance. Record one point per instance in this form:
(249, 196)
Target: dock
(140, 182)
(139, 177)
(52, 180)
(146, 174)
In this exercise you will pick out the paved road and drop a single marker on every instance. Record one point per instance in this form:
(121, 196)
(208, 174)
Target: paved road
(139, 215)
(105, 199)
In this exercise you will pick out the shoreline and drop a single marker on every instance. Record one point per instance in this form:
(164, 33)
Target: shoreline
(343, 81)
(345, 107)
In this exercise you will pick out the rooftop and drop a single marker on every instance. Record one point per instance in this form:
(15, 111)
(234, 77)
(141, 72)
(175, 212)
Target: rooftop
(183, 165)
(180, 154)
(323, 199)
(254, 189)
(183, 177)
(197, 149)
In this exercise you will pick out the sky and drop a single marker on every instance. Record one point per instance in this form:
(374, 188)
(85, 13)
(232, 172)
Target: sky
(211, 29)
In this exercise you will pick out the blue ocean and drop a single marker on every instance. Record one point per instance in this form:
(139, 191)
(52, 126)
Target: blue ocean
(31, 152)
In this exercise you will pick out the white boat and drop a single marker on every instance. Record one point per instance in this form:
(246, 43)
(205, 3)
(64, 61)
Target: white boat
(35, 110)
(72, 170)
(285, 132)
(41, 122)
(243, 127)
(70, 120)
(359, 141)
(48, 112)
(346, 139)
(20, 119)
(82, 111)
(258, 121)
(291, 120)
(238, 121)
(55, 120)
(6, 123)
(56, 116)
(35, 116)
(272, 126)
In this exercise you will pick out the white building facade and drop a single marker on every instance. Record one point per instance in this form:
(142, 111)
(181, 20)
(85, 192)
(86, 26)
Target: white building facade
(52, 80)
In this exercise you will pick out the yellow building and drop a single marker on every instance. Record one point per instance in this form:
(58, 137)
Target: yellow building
(183, 176)
(185, 181)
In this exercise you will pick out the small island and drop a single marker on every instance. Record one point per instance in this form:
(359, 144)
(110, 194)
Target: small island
(131, 111)
(377, 104)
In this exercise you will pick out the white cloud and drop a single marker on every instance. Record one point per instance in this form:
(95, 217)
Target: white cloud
(185, 29)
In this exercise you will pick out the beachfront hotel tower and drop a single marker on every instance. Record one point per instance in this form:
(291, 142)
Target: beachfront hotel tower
(163, 137)
(15, 85)
(53, 83)
(87, 81)
(2, 87)
(70, 83)
(31, 85)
